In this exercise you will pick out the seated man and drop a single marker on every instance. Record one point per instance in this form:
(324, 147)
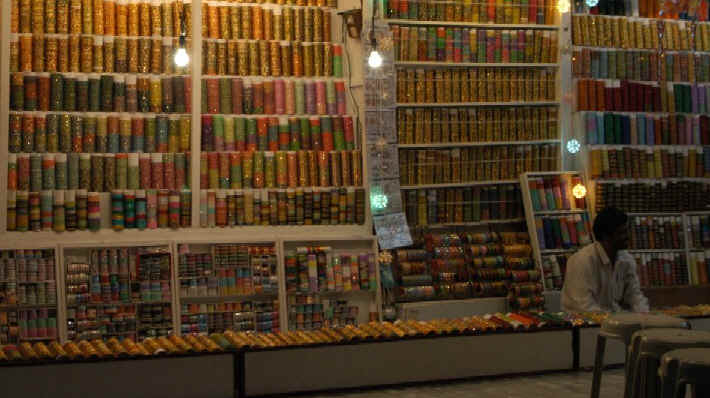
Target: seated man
(602, 275)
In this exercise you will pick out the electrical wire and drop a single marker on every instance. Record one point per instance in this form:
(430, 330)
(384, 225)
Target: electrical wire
(344, 39)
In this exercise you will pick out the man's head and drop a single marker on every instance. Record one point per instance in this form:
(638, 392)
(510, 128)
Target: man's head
(610, 228)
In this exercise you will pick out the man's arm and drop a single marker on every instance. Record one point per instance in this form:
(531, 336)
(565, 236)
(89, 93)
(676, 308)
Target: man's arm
(633, 296)
(577, 294)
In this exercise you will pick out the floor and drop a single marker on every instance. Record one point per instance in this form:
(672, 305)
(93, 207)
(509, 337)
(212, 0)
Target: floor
(558, 385)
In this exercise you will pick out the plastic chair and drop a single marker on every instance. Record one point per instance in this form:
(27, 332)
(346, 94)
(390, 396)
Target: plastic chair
(648, 347)
(689, 366)
(622, 327)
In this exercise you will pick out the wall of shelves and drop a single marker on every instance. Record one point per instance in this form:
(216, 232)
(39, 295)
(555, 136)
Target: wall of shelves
(332, 73)
(153, 288)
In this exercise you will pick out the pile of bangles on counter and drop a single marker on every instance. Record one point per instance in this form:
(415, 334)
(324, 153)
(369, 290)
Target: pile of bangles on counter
(369, 332)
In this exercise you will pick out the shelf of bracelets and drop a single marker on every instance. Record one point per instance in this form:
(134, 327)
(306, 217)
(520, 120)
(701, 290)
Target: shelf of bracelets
(99, 114)
(670, 58)
(457, 266)
(278, 146)
(370, 332)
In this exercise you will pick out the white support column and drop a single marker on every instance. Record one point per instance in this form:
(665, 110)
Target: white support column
(196, 76)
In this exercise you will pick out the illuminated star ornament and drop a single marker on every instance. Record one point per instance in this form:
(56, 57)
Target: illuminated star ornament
(378, 201)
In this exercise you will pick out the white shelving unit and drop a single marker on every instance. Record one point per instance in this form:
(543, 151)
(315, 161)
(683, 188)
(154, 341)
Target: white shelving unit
(352, 76)
(531, 215)
(65, 253)
(366, 301)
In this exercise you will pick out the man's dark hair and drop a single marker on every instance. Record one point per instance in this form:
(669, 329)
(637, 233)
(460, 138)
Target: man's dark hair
(607, 221)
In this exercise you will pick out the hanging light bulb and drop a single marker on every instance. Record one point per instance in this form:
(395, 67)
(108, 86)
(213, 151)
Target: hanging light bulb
(181, 57)
(579, 191)
(563, 6)
(591, 3)
(375, 59)
(573, 146)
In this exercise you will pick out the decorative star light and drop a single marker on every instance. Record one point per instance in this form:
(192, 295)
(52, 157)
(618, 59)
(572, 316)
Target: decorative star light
(573, 146)
(579, 191)
(378, 201)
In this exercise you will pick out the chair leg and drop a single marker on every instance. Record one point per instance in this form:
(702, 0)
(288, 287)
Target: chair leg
(631, 369)
(598, 366)
(700, 390)
(679, 389)
(668, 380)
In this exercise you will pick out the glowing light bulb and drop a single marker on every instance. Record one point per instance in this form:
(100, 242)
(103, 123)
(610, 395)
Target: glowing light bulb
(374, 60)
(563, 6)
(591, 3)
(181, 57)
(579, 191)
(573, 146)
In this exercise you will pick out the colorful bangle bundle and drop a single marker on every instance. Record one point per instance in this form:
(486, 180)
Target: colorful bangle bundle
(698, 265)
(462, 205)
(234, 270)
(475, 85)
(119, 17)
(645, 197)
(245, 316)
(273, 97)
(652, 232)
(487, 163)
(452, 125)
(661, 269)
(699, 228)
(649, 163)
(280, 169)
(627, 33)
(272, 58)
(98, 172)
(337, 206)
(119, 292)
(99, 93)
(277, 134)
(27, 278)
(317, 270)
(640, 66)
(73, 134)
(626, 96)
(443, 44)
(619, 129)
(563, 232)
(541, 12)
(238, 20)
(94, 54)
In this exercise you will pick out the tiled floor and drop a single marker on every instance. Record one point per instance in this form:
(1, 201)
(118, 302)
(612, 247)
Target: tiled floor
(558, 385)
